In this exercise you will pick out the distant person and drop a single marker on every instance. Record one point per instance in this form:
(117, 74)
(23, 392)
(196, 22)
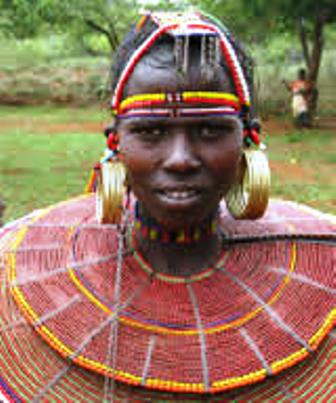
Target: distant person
(301, 90)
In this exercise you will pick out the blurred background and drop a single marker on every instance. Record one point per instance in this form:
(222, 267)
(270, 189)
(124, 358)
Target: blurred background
(55, 61)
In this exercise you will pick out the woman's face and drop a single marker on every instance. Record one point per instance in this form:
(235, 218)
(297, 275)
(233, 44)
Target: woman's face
(179, 168)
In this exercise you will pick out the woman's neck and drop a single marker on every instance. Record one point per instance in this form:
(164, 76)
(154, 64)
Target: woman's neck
(182, 252)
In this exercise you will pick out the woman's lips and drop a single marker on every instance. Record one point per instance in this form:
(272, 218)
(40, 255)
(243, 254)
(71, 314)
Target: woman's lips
(179, 197)
(179, 194)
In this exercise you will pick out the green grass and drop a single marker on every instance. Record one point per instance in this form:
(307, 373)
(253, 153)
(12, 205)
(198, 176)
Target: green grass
(39, 167)
(52, 114)
(44, 169)
(36, 169)
(304, 162)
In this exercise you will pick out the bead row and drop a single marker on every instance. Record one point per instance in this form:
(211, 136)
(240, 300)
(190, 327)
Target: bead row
(172, 99)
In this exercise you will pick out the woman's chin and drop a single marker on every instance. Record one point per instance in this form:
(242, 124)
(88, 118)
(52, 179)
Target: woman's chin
(174, 221)
(175, 212)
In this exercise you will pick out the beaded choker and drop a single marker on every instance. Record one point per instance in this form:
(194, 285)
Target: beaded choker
(153, 231)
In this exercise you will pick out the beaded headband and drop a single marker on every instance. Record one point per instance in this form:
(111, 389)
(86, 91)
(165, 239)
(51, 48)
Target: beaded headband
(185, 104)
(181, 27)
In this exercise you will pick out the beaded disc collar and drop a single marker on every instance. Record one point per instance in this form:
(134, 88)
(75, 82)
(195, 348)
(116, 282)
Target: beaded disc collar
(264, 306)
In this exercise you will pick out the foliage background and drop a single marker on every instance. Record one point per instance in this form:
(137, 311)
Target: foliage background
(61, 51)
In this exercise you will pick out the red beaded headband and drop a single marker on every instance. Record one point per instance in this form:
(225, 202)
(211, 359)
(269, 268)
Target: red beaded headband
(179, 104)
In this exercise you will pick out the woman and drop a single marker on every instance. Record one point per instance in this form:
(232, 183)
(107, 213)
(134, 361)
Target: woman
(176, 299)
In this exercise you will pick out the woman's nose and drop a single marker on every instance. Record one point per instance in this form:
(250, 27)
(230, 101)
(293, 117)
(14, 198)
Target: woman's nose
(180, 154)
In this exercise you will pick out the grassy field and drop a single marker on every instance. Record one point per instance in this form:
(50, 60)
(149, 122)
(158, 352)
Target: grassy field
(45, 157)
(47, 152)
(302, 164)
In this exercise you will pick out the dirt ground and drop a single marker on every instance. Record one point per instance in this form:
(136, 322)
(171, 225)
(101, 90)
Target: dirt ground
(281, 126)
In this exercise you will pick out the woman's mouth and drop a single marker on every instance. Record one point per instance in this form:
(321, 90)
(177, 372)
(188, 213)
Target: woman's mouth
(179, 197)
(179, 194)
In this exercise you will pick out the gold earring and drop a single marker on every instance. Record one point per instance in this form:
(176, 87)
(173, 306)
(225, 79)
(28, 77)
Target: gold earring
(247, 198)
(110, 192)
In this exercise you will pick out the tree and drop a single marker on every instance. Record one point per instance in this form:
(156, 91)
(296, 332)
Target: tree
(28, 18)
(19, 18)
(108, 18)
(308, 18)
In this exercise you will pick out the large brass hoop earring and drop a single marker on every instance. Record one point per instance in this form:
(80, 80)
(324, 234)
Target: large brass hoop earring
(111, 189)
(247, 198)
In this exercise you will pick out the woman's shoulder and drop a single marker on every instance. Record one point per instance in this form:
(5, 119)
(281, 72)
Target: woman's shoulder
(70, 212)
(282, 218)
(71, 220)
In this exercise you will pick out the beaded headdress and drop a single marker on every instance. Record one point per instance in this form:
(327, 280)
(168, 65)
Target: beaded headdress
(217, 47)
(214, 44)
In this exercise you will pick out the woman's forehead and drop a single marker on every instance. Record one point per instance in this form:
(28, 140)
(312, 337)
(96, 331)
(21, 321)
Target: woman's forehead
(232, 122)
(150, 78)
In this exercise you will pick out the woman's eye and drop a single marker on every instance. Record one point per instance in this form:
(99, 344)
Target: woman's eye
(150, 133)
(209, 132)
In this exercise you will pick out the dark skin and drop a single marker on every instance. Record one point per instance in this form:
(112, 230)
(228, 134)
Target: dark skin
(179, 168)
